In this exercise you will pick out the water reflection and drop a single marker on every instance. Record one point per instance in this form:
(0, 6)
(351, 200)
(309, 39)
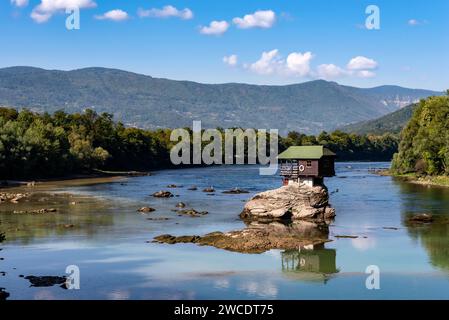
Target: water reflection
(310, 264)
(434, 236)
(75, 214)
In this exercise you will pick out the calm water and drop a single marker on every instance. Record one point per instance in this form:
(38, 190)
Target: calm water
(108, 242)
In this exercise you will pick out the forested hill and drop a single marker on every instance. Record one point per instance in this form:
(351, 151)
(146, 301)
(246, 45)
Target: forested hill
(391, 123)
(147, 102)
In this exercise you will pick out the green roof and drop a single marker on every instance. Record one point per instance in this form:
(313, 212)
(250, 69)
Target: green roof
(305, 152)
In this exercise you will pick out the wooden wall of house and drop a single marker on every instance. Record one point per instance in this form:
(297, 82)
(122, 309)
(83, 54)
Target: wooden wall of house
(327, 167)
(309, 170)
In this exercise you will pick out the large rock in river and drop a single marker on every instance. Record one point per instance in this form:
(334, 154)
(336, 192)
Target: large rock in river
(296, 201)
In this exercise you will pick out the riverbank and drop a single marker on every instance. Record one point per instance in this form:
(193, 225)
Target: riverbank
(96, 177)
(437, 181)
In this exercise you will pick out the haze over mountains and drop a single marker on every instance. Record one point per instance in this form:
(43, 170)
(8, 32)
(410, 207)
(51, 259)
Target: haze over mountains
(147, 102)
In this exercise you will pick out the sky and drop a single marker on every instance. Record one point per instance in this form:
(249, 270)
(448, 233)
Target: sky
(260, 42)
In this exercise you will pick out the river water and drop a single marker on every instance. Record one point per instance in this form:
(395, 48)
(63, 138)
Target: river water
(111, 245)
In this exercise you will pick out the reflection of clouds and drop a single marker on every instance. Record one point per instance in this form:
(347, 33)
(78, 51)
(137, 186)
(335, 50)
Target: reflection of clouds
(363, 244)
(263, 289)
(119, 295)
(62, 246)
(44, 295)
(117, 260)
(221, 284)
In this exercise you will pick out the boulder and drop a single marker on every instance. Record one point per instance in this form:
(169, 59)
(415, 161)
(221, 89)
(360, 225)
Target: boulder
(209, 190)
(297, 202)
(146, 210)
(235, 191)
(163, 194)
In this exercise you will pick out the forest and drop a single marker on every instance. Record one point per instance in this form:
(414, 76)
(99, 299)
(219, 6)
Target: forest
(34, 145)
(424, 145)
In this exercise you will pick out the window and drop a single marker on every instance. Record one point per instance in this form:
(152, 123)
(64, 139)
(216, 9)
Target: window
(309, 164)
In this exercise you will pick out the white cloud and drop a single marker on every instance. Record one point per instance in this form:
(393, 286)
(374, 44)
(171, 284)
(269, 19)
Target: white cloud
(268, 63)
(271, 62)
(330, 71)
(47, 8)
(230, 60)
(416, 22)
(166, 12)
(360, 63)
(298, 63)
(19, 3)
(259, 19)
(114, 15)
(215, 28)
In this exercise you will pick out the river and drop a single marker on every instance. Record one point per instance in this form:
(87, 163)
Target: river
(99, 231)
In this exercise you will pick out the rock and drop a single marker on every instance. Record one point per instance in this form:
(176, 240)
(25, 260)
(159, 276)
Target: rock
(421, 218)
(235, 191)
(192, 213)
(46, 281)
(40, 211)
(346, 237)
(181, 205)
(258, 237)
(192, 188)
(146, 210)
(163, 194)
(173, 186)
(12, 197)
(3, 294)
(209, 190)
(290, 202)
(2, 237)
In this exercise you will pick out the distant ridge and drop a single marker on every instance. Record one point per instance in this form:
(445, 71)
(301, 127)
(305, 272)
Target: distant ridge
(390, 123)
(144, 101)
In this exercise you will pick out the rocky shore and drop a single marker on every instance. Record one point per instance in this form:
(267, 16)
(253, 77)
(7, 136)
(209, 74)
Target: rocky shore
(258, 237)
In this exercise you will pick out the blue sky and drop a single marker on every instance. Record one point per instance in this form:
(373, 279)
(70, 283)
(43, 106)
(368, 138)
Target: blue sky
(278, 42)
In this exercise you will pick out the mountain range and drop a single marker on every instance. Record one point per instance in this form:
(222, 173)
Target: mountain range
(147, 102)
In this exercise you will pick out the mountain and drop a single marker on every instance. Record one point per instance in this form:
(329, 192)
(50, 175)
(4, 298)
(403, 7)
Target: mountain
(144, 101)
(391, 123)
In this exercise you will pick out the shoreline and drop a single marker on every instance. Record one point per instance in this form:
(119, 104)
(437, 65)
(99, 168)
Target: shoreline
(429, 181)
(75, 179)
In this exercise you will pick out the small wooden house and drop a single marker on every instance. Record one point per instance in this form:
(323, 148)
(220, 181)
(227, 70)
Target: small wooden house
(306, 164)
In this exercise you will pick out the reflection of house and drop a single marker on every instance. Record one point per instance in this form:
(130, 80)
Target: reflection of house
(306, 164)
(310, 265)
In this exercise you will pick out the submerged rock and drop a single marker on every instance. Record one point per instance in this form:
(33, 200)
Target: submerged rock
(46, 281)
(192, 188)
(192, 212)
(290, 202)
(146, 210)
(12, 197)
(421, 218)
(3, 294)
(235, 191)
(258, 237)
(173, 186)
(39, 211)
(163, 194)
(181, 205)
